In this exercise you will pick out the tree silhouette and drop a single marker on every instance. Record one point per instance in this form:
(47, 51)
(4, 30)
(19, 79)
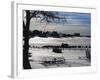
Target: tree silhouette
(55, 34)
(47, 16)
(77, 34)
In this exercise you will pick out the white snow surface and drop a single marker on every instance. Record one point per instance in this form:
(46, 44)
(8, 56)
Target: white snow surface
(71, 55)
(39, 41)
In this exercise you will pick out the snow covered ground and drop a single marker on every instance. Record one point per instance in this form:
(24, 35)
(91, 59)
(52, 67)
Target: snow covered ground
(37, 41)
(73, 57)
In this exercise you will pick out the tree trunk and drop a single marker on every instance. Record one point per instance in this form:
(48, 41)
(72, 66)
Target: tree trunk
(26, 64)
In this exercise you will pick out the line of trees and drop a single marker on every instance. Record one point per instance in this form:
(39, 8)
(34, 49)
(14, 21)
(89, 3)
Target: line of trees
(63, 45)
(53, 34)
(44, 34)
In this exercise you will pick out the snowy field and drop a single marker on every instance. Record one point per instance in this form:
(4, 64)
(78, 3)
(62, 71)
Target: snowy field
(73, 57)
(37, 41)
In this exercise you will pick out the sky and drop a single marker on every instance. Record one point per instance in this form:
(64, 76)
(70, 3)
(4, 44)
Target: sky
(73, 23)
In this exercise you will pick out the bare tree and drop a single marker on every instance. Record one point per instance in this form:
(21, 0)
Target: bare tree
(46, 16)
